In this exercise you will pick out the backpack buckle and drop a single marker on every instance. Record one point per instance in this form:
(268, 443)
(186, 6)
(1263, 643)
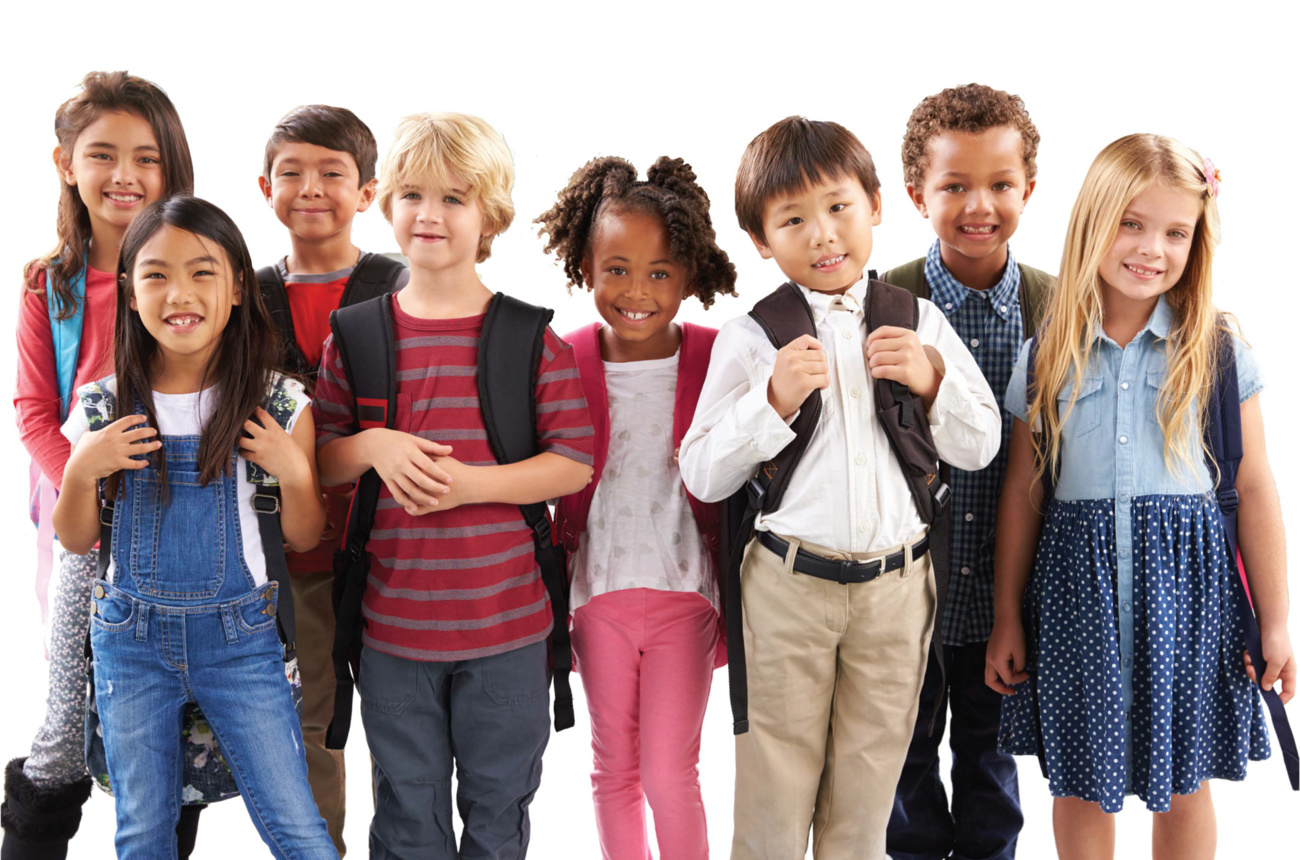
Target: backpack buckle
(106, 514)
(1228, 500)
(941, 498)
(265, 503)
(542, 531)
(756, 493)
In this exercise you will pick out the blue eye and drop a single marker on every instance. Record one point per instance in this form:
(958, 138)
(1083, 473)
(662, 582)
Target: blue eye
(411, 195)
(452, 199)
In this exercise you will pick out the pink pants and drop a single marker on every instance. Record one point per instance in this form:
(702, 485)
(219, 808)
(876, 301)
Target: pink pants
(646, 659)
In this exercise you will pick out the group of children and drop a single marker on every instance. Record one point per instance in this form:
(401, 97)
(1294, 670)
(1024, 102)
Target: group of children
(814, 489)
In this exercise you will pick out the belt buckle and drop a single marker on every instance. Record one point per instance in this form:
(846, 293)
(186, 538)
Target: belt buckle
(858, 571)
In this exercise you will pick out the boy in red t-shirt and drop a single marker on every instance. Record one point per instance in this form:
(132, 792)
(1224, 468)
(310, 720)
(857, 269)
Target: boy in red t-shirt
(319, 172)
(453, 659)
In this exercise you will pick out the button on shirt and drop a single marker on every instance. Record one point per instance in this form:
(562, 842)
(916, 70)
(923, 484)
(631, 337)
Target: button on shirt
(849, 492)
(989, 322)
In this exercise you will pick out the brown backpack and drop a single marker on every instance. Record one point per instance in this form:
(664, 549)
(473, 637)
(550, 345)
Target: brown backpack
(784, 316)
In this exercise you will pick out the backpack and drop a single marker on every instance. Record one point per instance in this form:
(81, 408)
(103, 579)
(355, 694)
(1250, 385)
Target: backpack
(783, 316)
(1225, 450)
(363, 334)
(205, 774)
(1035, 285)
(373, 275)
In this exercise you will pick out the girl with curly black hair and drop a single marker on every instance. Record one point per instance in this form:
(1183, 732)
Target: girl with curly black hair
(642, 551)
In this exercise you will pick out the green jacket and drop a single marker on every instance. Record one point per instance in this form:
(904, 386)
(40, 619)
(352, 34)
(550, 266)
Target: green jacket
(1035, 289)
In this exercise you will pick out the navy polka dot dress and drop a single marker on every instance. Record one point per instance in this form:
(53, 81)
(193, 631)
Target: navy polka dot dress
(1139, 684)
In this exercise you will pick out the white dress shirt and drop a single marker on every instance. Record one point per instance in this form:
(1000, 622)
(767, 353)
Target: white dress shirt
(849, 492)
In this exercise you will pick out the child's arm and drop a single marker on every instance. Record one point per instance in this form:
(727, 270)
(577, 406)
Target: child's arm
(288, 456)
(404, 462)
(743, 415)
(36, 394)
(545, 476)
(1263, 551)
(97, 454)
(1018, 528)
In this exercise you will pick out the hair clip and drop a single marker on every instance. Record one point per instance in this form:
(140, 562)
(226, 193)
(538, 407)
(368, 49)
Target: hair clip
(1212, 180)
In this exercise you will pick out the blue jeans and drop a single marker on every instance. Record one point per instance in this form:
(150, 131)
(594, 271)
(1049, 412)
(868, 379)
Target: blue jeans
(985, 819)
(488, 716)
(184, 621)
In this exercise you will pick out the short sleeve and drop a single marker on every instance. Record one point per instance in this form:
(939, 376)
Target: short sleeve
(76, 425)
(333, 406)
(563, 423)
(1017, 400)
(1249, 379)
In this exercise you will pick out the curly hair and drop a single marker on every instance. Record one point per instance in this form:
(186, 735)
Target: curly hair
(607, 185)
(971, 108)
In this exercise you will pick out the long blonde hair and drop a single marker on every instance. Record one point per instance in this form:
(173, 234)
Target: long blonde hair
(1121, 172)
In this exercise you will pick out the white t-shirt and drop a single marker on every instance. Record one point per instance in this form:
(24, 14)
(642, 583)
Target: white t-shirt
(640, 531)
(185, 415)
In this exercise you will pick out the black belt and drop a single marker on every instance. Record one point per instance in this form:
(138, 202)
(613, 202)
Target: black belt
(845, 571)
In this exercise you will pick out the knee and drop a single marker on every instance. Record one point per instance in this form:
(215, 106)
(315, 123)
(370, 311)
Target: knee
(669, 782)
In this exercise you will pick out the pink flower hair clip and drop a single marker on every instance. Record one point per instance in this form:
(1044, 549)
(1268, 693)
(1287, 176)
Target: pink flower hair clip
(1212, 180)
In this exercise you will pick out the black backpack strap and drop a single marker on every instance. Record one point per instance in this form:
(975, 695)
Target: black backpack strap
(373, 275)
(507, 393)
(276, 297)
(1224, 443)
(783, 316)
(903, 418)
(363, 334)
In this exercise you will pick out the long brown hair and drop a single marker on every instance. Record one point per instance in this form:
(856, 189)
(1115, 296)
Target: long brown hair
(242, 365)
(104, 92)
(1121, 172)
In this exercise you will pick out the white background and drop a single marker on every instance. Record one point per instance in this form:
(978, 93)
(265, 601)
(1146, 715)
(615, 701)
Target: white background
(567, 82)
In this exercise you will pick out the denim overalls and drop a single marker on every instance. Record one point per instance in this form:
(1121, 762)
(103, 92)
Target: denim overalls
(184, 621)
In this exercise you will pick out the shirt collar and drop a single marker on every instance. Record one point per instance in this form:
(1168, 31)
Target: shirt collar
(948, 293)
(853, 300)
(1159, 324)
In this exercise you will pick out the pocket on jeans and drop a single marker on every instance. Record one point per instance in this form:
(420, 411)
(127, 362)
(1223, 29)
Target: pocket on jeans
(385, 683)
(115, 610)
(257, 616)
(517, 677)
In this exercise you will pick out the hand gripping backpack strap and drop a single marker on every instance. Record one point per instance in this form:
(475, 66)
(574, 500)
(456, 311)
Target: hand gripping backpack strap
(906, 425)
(783, 316)
(506, 390)
(1223, 439)
(363, 334)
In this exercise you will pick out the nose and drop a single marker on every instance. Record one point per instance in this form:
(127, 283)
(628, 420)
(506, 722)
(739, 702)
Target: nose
(640, 286)
(179, 291)
(1151, 244)
(823, 229)
(979, 200)
(124, 172)
(311, 185)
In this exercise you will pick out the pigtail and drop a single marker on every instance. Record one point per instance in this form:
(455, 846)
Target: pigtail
(691, 236)
(568, 223)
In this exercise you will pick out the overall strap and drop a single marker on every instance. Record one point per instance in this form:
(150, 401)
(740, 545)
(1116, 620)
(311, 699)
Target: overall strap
(507, 394)
(363, 334)
(67, 335)
(1224, 443)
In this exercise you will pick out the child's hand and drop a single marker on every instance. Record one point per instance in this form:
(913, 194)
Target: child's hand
(800, 370)
(405, 463)
(1280, 660)
(460, 486)
(270, 447)
(1004, 661)
(898, 354)
(100, 453)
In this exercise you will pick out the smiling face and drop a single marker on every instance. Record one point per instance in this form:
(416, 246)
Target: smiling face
(820, 236)
(315, 191)
(183, 289)
(637, 286)
(1150, 251)
(974, 190)
(116, 167)
(437, 228)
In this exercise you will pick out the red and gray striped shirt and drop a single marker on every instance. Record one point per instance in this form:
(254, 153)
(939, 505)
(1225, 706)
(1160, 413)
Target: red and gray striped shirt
(458, 584)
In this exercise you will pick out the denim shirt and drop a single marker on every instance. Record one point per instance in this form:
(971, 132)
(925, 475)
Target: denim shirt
(1112, 446)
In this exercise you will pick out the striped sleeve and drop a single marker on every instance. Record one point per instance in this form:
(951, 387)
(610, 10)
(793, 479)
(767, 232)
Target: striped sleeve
(332, 407)
(563, 424)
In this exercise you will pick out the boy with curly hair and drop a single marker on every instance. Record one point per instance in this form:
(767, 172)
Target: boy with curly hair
(969, 163)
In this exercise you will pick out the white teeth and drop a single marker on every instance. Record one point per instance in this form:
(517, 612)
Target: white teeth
(831, 262)
(979, 230)
(1141, 271)
(635, 315)
(182, 321)
(124, 198)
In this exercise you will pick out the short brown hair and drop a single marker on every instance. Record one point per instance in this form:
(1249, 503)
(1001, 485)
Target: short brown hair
(972, 108)
(334, 128)
(791, 155)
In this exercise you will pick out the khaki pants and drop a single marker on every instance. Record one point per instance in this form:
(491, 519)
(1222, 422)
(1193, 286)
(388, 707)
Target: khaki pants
(834, 675)
(314, 613)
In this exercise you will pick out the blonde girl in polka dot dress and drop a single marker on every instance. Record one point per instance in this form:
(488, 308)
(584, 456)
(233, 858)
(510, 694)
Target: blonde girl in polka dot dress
(1130, 626)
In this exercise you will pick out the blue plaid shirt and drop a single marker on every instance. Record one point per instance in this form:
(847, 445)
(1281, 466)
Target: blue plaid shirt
(989, 323)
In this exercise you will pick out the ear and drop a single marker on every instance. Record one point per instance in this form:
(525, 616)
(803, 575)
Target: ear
(763, 250)
(265, 184)
(64, 165)
(875, 216)
(237, 292)
(368, 192)
(584, 266)
(917, 196)
(1029, 189)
